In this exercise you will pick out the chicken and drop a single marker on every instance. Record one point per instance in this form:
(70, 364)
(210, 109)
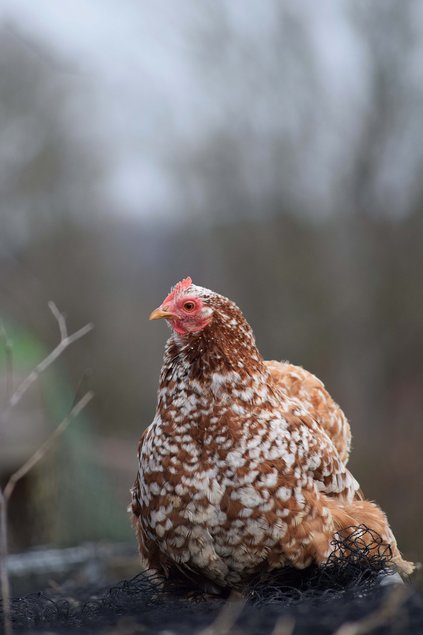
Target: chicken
(296, 382)
(243, 468)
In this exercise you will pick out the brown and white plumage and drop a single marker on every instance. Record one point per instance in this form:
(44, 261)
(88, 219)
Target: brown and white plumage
(244, 466)
(298, 383)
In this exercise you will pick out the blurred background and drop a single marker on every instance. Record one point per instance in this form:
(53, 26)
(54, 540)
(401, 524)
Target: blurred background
(271, 150)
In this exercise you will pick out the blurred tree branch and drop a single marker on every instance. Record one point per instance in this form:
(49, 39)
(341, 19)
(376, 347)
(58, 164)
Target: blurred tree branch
(5, 494)
(65, 341)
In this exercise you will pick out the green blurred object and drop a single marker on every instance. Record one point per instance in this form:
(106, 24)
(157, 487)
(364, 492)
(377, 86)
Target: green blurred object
(68, 497)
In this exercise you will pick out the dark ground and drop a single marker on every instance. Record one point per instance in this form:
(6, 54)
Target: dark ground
(345, 597)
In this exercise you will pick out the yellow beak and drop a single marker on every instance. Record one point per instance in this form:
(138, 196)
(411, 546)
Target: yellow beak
(158, 314)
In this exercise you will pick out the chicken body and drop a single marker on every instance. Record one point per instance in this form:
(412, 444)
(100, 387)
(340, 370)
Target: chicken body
(297, 383)
(244, 466)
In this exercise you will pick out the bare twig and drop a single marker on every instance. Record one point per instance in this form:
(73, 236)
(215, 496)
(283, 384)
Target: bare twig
(65, 341)
(284, 626)
(13, 399)
(226, 618)
(8, 491)
(38, 454)
(4, 578)
(386, 612)
(61, 320)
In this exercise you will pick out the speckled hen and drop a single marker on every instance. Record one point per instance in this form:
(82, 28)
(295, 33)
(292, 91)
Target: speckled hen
(244, 466)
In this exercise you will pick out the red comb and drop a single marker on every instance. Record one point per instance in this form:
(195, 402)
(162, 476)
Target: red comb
(181, 286)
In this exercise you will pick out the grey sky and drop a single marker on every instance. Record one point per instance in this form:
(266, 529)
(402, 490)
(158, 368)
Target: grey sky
(135, 65)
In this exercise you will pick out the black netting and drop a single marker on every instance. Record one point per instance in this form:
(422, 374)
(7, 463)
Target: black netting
(316, 600)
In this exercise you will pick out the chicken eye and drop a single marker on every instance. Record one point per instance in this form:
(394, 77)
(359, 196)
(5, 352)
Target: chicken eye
(189, 306)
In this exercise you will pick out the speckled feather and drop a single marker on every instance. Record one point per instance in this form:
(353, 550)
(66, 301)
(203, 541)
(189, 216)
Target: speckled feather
(244, 466)
(296, 382)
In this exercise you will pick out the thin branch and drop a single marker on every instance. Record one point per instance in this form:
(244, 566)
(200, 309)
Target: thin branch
(65, 341)
(226, 618)
(4, 578)
(60, 317)
(284, 626)
(38, 454)
(8, 491)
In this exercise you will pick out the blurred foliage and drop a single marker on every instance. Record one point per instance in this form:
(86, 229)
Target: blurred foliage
(69, 482)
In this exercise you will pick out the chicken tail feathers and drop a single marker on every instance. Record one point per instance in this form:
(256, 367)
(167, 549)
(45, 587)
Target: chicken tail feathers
(377, 538)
